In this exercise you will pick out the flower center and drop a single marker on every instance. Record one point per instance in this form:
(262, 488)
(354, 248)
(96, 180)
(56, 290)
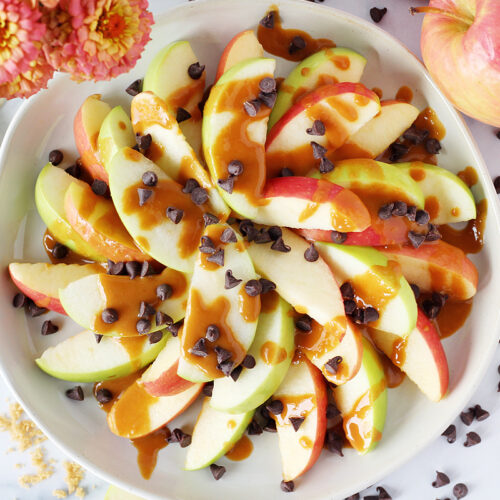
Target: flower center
(112, 25)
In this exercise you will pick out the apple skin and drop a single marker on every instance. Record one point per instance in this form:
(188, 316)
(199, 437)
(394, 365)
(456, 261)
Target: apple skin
(86, 127)
(115, 493)
(424, 357)
(242, 46)
(41, 282)
(465, 51)
(436, 267)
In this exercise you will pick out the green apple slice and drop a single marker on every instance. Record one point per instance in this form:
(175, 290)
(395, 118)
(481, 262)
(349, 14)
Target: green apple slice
(363, 402)
(50, 190)
(448, 199)
(82, 359)
(329, 65)
(272, 349)
(377, 282)
(214, 435)
(115, 493)
(116, 133)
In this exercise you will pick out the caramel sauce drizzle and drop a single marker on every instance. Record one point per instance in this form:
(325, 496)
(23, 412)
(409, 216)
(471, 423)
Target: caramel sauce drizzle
(148, 448)
(295, 406)
(71, 258)
(404, 94)
(272, 354)
(241, 450)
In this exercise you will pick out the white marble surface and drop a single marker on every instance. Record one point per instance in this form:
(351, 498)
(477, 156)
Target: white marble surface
(477, 467)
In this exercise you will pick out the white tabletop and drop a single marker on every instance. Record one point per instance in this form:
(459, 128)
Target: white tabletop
(477, 467)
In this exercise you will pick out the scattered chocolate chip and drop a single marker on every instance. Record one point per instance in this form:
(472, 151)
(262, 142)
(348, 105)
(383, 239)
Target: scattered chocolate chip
(190, 185)
(297, 43)
(422, 217)
(146, 269)
(267, 84)
(179, 436)
(467, 417)
(270, 426)
(296, 422)
(195, 70)
(55, 157)
(347, 290)
(325, 166)
(149, 179)
(450, 433)
(207, 245)
(115, 268)
(480, 413)
(311, 254)
(430, 308)
(318, 128)
(199, 349)
(208, 389)
(254, 429)
(174, 328)
(175, 214)
(109, 315)
(210, 219)
(230, 280)
(252, 107)
(267, 285)
(496, 183)
(358, 316)
(228, 236)
(275, 407)
(253, 288)
(98, 337)
(371, 497)
(146, 310)
(397, 151)
(136, 148)
(318, 150)
(416, 135)
(262, 237)
(100, 188)
(286, 172)
(473, 438)
(400, 208)
(164, 291)
(287, 486)
(382, 493)
(371, 314)
(104, 396)
(268, 20)
(182, 115)
(332, 365)
(144, 141)
(19, 300)
(416, 239)
(433, 234)
(275, 232)
(133, 268)
(349, 306)
(212, 333)
(460, 490)
(439, 298)
(48, 328)
(246, 226)
(248, 362)
(441, 480)
(332, 411)
(235, 374)
(303, 323)
(377, 14)
(432, 146)
(33, 311)
(163, 319)
(217, 257)
(353, 497)
(74, 170)
(235, 167)
(385, 211)
(338, 237)
(144, 195)
(59, 251)
(143, 326)
(199, 196)
(217, 471)
(411, 213)
(222, 354)
(280, 246)
(134, 88)
(226, 367)
(498, 134)
(76, 393)
(226, 184)
(268, 99)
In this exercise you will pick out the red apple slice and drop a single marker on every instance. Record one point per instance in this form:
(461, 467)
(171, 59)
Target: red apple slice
(303, 394)
(41, 282)
(437, 267)
(342, 107)
(420, 355)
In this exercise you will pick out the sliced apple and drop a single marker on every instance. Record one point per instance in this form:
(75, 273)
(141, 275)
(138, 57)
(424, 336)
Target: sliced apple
(420, 355)
(436, 267)
(115, 493)
(377, 282)
(303, 202)
(86, 127)
(173, 244)
(169, 148)
(115, 133)
(82, 359)
(380, 132)
(272, 349)
(161, 378)
(447, 197)
(210, 303)
(303, 395)
(137, 413)
(214, 434)
(50, 189)
(363, 402)
(331, 65)
(242, 46)
(231, 134)
(41, 282)
(343, 108)
(85, 300)
(95, 219)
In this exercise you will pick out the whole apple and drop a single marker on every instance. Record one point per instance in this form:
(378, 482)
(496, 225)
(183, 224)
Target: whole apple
(461, 48)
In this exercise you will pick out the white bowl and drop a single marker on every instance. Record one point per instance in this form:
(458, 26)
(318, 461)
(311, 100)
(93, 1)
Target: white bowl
(45, 123)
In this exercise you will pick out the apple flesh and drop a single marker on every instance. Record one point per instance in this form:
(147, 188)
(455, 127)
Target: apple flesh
(86, 127)
(420, 355)
(115, 493)
(242, 46)
(303, 394)
(82, 359)
(41, 282)
(272, 349)
(363, 402)
(214, 434)
(436, 267)
(342, 107)
(331, 65)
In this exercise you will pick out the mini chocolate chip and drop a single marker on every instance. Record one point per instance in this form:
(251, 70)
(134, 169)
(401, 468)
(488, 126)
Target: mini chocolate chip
(416, 135)
(103, 396)
(33, 310)
(411, 213)
(59, 251)
(286, 172)
(496, 183)
(473, 438)
(441, 480)
(222, 354)
(353, 497)
(99, 187)
(55, 157)
(400, 208)
(252, 107)
(422, 217)
(146, 269)
(174, 328)
(199, 349)
(347, 290)
(275, 407)
(217, 257)
(349, 306)
(175, 214)
(182, 115)
(248, 362)
(143, 326)
(226, 367)
(163, 319)
(267, 285)
(212, 333)
(296, 422)
(109, 315)
(270, 426)
(397, 151)
(268, 99)
(195, 70)
(179, 436)
(382, 494)
(480, 413)
(207, 245)
(303, 323)
(332, 411)
(115, 268)
(210, 219)
(267, 84)
(190, 185)
(144, 195)
(235, 374)
(76, 393)
(199, 196)
(385, 211)
(498, 134)
(416, 239)
(371, 497)
(98, 337)
(338, 237)
(371, 314)
(280, 246)
(149, 179)
(48, 328)
(467, 417)
(268, 20)
(297, 43)
(226, 184)
(318, 150)
(133, 268)
(146, 310)
(208, 389)
(228, 236)
(235, 167)
(164, 291)
(136, 148)
(254, 429)
(134, 88)
(275, 232)
(74, 170)
(358, 316)
(439, 298)
(19, 300)
(332, 365)
(217, 471)
(287, 486)
(230, 280)
(433, 234)
(377, 14)
(432, 146)
(460, 490)
(431, 309)
(415, 289)
(318, 128)
(253, 288)
(144, 141)
(325, 166)
(450, 433)
(262, 237)
(245, 226)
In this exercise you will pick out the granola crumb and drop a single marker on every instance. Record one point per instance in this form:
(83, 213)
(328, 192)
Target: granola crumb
(23, 432)
(80, 492)
(19, 466)
(43, 470)
(59, 494)
(74, 474)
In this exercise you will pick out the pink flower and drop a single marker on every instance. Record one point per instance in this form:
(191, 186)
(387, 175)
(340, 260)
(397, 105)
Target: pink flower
(96, 39)
(20, 34)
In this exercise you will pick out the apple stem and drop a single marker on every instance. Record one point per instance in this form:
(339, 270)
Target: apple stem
(435, 10)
